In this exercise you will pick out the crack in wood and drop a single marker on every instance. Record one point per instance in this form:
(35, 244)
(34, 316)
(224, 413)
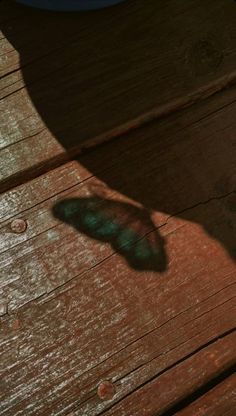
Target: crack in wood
(226, 372)
(186, 401)
(74, 278)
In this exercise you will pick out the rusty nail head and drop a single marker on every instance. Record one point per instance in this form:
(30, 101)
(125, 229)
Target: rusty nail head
(18, 225)
(106, 390)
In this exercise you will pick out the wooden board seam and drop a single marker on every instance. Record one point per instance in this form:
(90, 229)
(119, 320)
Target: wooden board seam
(162, 111)
(222, 375)
(200, 392)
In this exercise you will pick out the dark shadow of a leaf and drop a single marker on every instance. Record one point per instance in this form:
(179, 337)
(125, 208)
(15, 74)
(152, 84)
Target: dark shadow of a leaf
(127, 228)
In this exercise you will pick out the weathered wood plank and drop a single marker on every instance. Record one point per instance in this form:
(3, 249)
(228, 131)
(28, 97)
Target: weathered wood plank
(193, 162)
(33, 193)
(115, 322)
(109, 309)
(38, 265)
(55, 354)
(221, 400)
(161, 393)
(86, 82)
(11, 157)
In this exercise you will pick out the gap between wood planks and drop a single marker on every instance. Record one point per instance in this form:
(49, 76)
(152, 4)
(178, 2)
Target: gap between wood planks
(160, 112)
(139, 124)
(227, 365)
(116, 133)
(173, 107)
(212, 77)
(36, 193)
(203, 114)
(206, 388)
(197, 393)
(219, 400)
(225, 334)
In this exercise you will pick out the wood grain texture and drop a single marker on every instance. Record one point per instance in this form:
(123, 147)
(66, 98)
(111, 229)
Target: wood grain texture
(118, 268)
(153, 399)
(72, 80)
(221, 400)
(187, 161)
(120, 325)
(75, 311)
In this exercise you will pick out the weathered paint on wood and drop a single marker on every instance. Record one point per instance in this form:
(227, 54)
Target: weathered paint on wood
(100, 74)
(220, 400)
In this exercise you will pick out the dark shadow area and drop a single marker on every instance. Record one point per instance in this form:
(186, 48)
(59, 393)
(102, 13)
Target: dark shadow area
(79, 69)
(122, 225)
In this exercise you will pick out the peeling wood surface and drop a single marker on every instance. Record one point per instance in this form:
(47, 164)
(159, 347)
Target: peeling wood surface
(117, 269)
(161, 57)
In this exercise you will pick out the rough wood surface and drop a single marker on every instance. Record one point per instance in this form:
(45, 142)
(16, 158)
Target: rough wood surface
(117, 270)
(152, 399)
(118, 324)
(187, 161)
(220, 400)
(56, 352)
(71, 80)
(76, 308)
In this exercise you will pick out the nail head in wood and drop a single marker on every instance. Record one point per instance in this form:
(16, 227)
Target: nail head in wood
(106, 390)
(18, 225)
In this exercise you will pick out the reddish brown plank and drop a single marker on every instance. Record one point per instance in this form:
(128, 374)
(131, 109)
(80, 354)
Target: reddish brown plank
(57, 344)
(56, 368)
(193, 163)
(114, 322)
(38, 265)
(220, 400)
(33, 193)
(160, 394)
(84, 86)
(11, 158)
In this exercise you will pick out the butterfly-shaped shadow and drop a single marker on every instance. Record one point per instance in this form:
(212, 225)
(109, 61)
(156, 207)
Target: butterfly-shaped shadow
(127, 228)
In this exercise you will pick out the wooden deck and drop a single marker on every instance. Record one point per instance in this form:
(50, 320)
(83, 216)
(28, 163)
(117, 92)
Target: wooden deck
(118, 210)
